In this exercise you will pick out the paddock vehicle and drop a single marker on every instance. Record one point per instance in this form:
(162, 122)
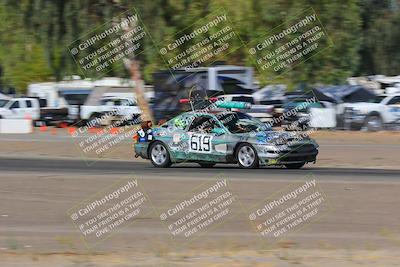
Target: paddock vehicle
(111, 108)
(223, 136)
(380, 112)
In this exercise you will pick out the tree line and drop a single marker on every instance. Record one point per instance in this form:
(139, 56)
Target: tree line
(35, 34)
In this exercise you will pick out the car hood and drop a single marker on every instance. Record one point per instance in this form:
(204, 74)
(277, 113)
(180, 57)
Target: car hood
(363, 105)
(282, 138)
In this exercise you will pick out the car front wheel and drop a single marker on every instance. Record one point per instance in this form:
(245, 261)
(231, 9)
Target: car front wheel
(246, 157)
(373, 123)
(159, 155)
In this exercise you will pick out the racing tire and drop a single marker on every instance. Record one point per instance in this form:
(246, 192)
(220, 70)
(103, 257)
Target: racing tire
(295, 166)
(373, 123)
(93, 117)
(247, 157)
(206, 165)
(159, 155)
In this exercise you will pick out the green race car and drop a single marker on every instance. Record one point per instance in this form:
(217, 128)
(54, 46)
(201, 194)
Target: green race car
(214, 137)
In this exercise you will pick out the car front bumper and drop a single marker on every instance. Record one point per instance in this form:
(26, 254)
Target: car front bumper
(303, 153)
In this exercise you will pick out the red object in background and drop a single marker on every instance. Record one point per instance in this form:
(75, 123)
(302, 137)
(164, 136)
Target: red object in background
(185, 100)
(92, 130)
(135, 137)
(63, 125)
(43, 128)
(114, 131)
(71, 130)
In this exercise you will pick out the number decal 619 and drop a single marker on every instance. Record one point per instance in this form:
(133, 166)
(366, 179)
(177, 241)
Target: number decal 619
(200, 143)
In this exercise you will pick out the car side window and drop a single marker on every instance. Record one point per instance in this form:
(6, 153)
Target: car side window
(28, 103)
(14, 105)
(203, 124)
(394, 101)
(131, 103)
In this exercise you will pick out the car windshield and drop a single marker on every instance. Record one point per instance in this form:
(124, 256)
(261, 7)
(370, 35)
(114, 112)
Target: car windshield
(3, 102)
(377, 99)
(237, 122)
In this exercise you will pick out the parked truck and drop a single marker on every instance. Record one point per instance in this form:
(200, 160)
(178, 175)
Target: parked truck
(110, 109)
(20, 108)
(381, 112)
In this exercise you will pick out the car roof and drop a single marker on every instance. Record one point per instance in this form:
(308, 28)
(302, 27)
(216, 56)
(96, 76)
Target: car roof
(21, 98)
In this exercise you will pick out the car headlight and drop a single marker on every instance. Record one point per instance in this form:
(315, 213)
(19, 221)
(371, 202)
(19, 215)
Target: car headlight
(273, 148)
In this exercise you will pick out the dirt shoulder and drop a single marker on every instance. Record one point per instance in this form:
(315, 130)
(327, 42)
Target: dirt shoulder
(235, 257)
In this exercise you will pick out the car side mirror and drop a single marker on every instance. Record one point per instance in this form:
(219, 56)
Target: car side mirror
(218, 131)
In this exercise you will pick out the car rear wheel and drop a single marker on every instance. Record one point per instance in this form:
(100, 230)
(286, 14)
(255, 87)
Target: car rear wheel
(206, 165)
(246, 157)
(159, 155)
(93, 120)
(295, 165)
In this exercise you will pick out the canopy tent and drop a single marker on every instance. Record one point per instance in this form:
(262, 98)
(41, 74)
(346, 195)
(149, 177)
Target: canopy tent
(343, 93)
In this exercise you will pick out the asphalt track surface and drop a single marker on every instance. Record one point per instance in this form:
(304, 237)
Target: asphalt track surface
(187, 170)
(36, 193)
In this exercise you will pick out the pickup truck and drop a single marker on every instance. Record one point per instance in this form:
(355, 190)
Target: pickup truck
(375, 115)
(117, 108)
(32, 108)
(20, 108)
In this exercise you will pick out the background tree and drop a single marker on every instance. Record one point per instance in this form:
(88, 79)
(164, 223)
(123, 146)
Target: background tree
(35, 35)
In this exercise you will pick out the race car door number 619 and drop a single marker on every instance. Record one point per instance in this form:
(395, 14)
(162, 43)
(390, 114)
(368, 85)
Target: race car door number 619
(200, 143)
